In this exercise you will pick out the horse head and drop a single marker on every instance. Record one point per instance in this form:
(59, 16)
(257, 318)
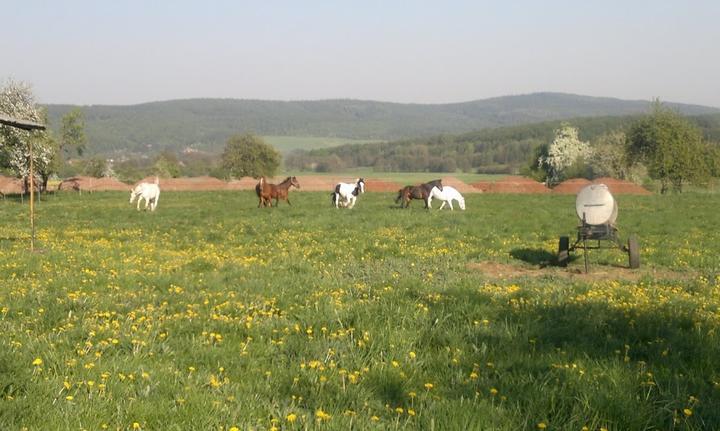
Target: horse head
(361, 185)
(294, 182)
(401, 192)
(433, 183)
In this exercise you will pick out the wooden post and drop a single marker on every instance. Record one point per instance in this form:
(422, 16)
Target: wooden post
(27, 125)
(32, 199)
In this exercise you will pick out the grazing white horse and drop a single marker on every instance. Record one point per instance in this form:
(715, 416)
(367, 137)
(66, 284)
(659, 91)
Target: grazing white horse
(148, 191)
(447, 195)
(345, 194)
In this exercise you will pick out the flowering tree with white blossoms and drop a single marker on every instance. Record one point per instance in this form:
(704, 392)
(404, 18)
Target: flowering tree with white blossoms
(564, 151)
(18, 101)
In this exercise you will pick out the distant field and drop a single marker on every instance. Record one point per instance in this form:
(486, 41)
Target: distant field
(211, 314)
(288, 143)
(407, 177)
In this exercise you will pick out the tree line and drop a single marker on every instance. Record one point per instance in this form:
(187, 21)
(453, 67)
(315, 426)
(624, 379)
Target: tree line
(59, 154)
(661, 145)
(49, 149)
(524, 150)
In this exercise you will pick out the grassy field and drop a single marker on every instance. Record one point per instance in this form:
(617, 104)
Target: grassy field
(286, 144)
(213, 314)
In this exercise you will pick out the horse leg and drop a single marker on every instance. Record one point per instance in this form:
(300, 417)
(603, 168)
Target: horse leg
(443, 205)
(450, 204)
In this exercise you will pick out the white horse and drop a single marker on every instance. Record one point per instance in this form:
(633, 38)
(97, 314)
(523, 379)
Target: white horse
(345, 194)
(447, 195)
(148, 191)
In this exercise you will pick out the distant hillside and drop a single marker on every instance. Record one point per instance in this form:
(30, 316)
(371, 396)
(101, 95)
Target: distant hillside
(492, 150)
(207, 123)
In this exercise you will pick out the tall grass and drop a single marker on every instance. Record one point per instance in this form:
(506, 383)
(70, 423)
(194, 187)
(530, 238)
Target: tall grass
(212, 314)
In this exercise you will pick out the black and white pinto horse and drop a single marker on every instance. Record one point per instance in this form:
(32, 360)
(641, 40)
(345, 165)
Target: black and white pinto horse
(346, 194)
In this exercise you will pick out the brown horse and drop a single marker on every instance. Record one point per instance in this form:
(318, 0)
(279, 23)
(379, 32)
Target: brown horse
(266, 191)
(422, 191)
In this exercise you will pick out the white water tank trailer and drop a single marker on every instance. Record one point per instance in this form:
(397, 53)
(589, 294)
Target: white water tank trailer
(597, 211)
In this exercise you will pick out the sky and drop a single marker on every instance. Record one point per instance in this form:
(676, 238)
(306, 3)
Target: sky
(126, 52)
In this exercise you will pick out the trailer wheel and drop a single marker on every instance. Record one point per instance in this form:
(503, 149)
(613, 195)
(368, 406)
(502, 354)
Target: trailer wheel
(564, 251)
(634, 252)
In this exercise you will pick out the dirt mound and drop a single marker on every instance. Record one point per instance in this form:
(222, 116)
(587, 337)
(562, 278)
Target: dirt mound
(512, 184)
(69, 184)
(373, 185)
(11, 186)
(459, 185)
(104, 184)
(617, 187)
(187, 183)
(483, 186)
(308, 183)
(622, 187)
(571, 186)
(317, 183)
(244, 183)
(81, 183)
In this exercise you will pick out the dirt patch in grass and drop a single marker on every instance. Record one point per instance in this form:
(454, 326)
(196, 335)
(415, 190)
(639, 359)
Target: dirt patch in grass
(512, 184)
(505, 271)
(616, 187)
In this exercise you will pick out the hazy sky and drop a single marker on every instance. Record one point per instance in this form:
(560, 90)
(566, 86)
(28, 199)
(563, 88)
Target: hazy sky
(125, 52)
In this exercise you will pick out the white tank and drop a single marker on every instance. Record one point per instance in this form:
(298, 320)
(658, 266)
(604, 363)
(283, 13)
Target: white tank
(596, 204)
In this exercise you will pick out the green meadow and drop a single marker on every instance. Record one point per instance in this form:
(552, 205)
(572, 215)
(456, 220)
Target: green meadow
(213, 314)
(286, 144)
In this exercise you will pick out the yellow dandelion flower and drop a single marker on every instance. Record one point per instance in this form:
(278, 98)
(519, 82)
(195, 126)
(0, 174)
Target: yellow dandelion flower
(321, 415)
(374, 418)
(429, 386)
(37, 362)
(541, 426)
(135, 426)
(412, 355)
(411, 412)
(687, 412)
(292, 417)
(493, 391)
(69, 397)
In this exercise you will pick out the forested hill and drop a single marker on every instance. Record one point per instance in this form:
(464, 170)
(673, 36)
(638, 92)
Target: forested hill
(207, 123)
(491, 150)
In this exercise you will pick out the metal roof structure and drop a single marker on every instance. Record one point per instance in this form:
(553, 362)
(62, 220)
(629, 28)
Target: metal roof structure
(20, 124)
